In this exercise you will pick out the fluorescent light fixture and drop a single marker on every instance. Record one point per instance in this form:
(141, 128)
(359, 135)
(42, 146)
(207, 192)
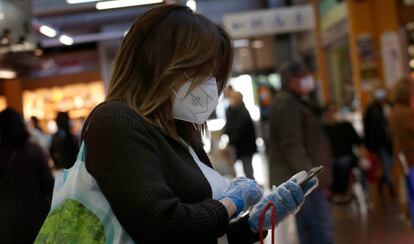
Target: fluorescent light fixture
(80, 1)
(192, 4)
(7, 74)
(47, 31)
(124, 3)
(241, 43)
(66, 40)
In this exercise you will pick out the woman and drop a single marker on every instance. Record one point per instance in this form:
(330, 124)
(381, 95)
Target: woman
(402, 119)
(143, 145)
(26, 182)
(64, 146)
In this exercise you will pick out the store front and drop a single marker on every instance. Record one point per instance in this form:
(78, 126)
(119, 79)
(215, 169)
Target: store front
(70, 83)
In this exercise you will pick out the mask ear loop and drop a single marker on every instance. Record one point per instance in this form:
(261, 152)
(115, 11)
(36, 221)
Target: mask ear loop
(188, 78)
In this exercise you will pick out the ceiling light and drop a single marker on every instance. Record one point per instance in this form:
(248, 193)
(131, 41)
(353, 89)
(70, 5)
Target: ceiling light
(124, 3)
(80, 1)
(66, 40)
(257, 44)
(412, 63)
(192, 4)
(47, 31)
(7, 74)
(241, 43)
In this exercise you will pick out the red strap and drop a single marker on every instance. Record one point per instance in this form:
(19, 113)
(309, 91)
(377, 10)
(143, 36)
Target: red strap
(261, 220)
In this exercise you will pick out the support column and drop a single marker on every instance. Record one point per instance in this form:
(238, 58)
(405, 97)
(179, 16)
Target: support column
(13, 93)
(370, 18)
(322, 74)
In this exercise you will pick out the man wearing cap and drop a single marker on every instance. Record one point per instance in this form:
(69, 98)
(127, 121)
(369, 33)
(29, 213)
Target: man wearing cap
(297, 142)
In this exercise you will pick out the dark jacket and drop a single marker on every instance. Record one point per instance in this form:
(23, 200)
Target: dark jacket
(26, 186)
(297, 140)
(154, 187)
(376, 129)
(342, 137)
(64, 149)
(240, 129)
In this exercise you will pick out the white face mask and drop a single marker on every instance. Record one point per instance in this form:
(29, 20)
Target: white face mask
(198, 104)
(307, 84)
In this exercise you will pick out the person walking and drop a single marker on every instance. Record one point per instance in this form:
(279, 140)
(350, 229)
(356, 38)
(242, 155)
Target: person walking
(344, 141)
(65, 145)
(143, 144)
(402, 119)
(297, 142)
(377, 138)
(38, 135)
(26, 182)
(240, 129)
(402, 131)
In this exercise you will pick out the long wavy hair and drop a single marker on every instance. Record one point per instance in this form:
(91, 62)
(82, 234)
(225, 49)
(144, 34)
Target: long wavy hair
(163, 48)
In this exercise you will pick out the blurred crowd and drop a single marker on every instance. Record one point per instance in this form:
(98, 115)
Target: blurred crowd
(362, 167)
(298, 135)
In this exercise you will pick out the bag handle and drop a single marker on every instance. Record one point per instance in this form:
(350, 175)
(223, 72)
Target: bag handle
(261, 220)
(82, 151)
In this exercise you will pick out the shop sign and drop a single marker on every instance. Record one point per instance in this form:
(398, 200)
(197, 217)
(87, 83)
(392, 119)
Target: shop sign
(65, 64)
(368, 65)
(392, 59)
(271, 21)
(335, 15)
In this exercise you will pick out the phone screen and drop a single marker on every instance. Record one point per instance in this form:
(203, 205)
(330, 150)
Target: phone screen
(311, 173)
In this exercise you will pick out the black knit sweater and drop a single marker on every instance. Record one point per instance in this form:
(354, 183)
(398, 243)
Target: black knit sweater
(152, 183)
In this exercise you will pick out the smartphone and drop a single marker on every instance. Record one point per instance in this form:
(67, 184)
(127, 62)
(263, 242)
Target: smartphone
(310, 174)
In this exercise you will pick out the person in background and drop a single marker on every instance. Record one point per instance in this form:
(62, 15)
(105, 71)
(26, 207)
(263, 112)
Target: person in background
(402, 119)
(402, 130)
(265, 94)
(241, 131)
(344, 139)
(64, 147)
(297, 142)
(38, 135)
(377, 137)
(26, 182)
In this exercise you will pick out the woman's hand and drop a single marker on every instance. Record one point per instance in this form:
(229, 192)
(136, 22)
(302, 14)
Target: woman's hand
(287, 199)
(240, 195)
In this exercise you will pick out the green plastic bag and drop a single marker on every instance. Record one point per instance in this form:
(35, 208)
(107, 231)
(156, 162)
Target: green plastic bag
(80, 212)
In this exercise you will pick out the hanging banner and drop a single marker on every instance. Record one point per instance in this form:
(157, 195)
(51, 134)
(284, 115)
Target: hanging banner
(271, 21)
(392, 60)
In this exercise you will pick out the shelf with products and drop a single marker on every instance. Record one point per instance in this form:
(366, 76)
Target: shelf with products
(76, 99)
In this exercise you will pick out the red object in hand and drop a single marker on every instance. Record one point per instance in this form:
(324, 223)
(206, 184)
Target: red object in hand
(261, 220)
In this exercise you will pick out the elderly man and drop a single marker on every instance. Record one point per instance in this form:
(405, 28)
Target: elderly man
(298, 143)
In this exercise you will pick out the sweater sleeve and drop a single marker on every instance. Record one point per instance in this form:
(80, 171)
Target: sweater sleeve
(126, 165)
(239, 232)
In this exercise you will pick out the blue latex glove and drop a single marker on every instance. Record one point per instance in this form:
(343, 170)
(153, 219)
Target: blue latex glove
(287, 199)
(243, 192)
